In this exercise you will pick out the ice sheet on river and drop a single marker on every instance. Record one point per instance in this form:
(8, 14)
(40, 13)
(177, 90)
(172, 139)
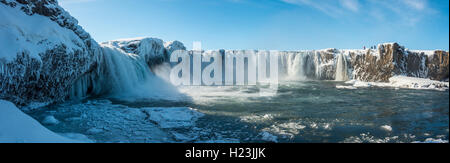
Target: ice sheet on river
(104, 121)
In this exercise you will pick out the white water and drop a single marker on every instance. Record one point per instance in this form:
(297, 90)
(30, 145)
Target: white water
(310, 65)
(301, 65)
(124, 76)
(341, 68)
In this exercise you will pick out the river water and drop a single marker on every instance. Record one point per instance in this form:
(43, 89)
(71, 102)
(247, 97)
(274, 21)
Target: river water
(301, 112)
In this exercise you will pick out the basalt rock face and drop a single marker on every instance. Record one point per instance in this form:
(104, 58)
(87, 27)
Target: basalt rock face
(437, 65)
(392, 59)
(46, 51)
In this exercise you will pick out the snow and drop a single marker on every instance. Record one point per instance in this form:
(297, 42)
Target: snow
(345, 87)
(426, 52)
(32, 34)
(400, 82)
(145, 47)
(50, 120)
(17, 127)
(257, 118)
(386, 128)
(268, 137)
(289, 129)
(432, 140)
(78, 137)
(177, 117)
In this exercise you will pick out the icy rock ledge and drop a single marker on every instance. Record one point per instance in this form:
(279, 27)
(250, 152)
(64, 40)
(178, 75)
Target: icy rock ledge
(400, 82)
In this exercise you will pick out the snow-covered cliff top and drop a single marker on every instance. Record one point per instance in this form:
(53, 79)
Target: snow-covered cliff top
(32, 34)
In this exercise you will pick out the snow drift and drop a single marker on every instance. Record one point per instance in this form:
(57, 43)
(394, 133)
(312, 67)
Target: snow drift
(17, 127)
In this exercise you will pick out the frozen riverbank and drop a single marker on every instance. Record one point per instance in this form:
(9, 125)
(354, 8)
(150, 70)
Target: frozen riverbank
(399, 82)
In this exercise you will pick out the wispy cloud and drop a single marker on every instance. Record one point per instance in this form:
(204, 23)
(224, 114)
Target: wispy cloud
(65, 2)
(410, 12)
(416, 4)
(352, 5)
(327, 8)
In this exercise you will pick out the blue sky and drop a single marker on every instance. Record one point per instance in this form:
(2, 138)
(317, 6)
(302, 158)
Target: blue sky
(269, 24)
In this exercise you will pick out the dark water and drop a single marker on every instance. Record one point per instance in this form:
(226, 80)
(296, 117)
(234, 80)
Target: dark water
(303, 112)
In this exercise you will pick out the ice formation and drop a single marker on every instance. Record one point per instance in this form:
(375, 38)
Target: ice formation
(126, 72)
(46, 51)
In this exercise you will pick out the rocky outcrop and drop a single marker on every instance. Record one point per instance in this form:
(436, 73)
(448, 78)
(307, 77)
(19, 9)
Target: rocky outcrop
(437, 65)
(392, 59)
(42, 61)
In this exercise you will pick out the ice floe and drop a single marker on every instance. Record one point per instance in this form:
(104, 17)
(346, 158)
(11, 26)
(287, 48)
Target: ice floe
(50, 120)
(386, 128)
(173, 117)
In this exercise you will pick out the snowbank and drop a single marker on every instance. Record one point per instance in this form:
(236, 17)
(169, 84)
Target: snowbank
(17, 127)
(400, 82)
(432, 140)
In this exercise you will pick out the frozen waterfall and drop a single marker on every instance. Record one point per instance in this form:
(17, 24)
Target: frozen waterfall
(123, 75)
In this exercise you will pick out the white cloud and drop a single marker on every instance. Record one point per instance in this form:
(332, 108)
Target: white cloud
(416, 4)
(408, 12)
(326, 6)
(352, 5)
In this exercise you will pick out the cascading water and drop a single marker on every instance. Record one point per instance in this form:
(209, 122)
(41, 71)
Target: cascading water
(301, 65)
(341, 68)
(124, 76)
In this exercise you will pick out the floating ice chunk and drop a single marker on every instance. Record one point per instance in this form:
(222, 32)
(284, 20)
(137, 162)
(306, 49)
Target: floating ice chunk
(180, 117)
(257, 118)
(286, 129)
(184, 137)
(345, 87)
(268, 137)
(50, 120)
(386, 128)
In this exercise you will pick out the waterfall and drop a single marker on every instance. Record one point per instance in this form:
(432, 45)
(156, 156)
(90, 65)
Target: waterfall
(341, 68)
(125, 76)
(302, 65)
